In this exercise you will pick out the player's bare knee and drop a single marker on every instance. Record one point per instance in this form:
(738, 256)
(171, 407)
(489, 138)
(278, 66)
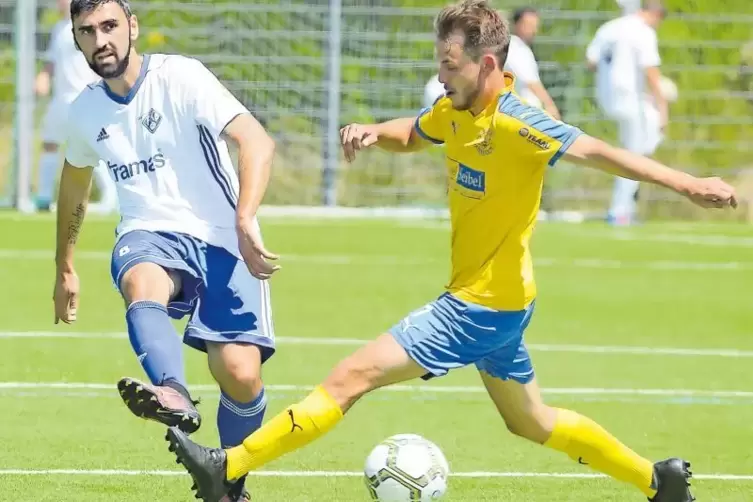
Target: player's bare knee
(534, 425)
(243, 382)
(237, 369)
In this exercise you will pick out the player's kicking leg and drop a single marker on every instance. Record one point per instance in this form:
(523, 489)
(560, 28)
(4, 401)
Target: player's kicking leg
(426, 343)
(379, 363)
(147, 286)
(509, 379)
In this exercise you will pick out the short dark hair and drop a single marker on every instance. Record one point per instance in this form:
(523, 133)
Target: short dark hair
(654, 6)
(483, 26)
(520, 13)
(79, 6)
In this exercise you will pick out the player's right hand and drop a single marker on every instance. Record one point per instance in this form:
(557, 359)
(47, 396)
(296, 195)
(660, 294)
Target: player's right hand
(42, 84)
(354, 137)
(712, 193)
(65, 296)
(255, 255)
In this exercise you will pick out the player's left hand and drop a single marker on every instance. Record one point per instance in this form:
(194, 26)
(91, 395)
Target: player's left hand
(711, 193)
(354, 137)
(253, 251)
(65, 296)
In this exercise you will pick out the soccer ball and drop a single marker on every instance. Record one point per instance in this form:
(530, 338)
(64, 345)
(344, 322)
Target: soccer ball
(406, 468)
(668, 89)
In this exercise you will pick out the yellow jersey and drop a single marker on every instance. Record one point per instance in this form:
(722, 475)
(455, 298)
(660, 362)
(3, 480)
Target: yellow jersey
(496, 162)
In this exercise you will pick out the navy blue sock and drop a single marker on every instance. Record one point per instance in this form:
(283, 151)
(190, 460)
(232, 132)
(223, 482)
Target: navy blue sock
(157, 345)
(237, 420)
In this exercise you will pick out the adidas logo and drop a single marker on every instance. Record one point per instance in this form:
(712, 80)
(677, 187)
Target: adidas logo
(102, 135)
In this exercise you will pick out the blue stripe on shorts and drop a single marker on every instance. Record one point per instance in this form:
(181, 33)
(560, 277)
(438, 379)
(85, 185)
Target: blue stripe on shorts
(449, 333)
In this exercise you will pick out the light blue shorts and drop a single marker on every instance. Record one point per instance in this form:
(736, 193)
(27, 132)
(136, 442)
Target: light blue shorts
(224, 301)
(449, 333)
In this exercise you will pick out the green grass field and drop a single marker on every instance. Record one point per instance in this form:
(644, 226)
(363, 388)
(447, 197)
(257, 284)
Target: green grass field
(646, 330)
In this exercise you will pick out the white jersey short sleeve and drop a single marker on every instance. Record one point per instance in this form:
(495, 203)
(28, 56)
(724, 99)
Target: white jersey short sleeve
(78, 152)
(522, 63)
(648, 50)
(622, 50)
(163, 149)
(213, 105)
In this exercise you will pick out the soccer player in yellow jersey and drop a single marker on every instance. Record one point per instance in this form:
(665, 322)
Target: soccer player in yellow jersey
(497, 151)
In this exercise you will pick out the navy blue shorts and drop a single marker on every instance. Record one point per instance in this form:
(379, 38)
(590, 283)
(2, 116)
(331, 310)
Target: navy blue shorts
(224, 301)
(449, 333)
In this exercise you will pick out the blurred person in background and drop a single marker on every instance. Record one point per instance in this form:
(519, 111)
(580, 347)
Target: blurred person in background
(522, 62)
(66, 73)
(629, 6)
(624, 53)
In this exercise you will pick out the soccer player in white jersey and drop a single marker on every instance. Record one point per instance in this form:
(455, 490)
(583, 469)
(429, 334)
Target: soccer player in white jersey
(625, 55)
(522, 62)
(188, 242)
(67, 73)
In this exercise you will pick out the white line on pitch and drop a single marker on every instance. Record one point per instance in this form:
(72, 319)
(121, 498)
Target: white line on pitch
(329, 259)
(337, 474)
(573, 391)
(345, 342)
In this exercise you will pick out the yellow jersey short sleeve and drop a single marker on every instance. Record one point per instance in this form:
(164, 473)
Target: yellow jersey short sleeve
(546, 139)
(432, 122)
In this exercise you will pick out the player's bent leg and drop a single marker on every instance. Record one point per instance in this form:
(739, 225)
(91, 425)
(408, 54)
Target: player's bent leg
(147, 288)
(377, 364)
(237, 369)
(583, 440)
(521, 407)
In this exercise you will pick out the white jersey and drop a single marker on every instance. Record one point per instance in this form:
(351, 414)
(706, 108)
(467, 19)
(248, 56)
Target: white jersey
(162, 147)
(522, 63)
(433, 90)
(71, 72)
(622, 50)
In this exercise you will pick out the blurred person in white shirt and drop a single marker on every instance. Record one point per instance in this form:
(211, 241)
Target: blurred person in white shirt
(65, 74)
(522, 62)
(625, 55)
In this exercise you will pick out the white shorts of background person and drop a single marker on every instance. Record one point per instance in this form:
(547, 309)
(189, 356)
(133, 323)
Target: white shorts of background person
(640, 132)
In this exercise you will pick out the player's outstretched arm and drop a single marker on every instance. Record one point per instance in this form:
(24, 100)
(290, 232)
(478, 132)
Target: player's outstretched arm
(397, 135)
(705, 192)
(73, 197)
(256, 150)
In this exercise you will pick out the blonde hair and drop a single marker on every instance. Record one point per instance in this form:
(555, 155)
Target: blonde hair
(485, 28)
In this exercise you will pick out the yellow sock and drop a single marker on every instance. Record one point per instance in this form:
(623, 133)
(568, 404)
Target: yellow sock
(588, 443)
(294, 428)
